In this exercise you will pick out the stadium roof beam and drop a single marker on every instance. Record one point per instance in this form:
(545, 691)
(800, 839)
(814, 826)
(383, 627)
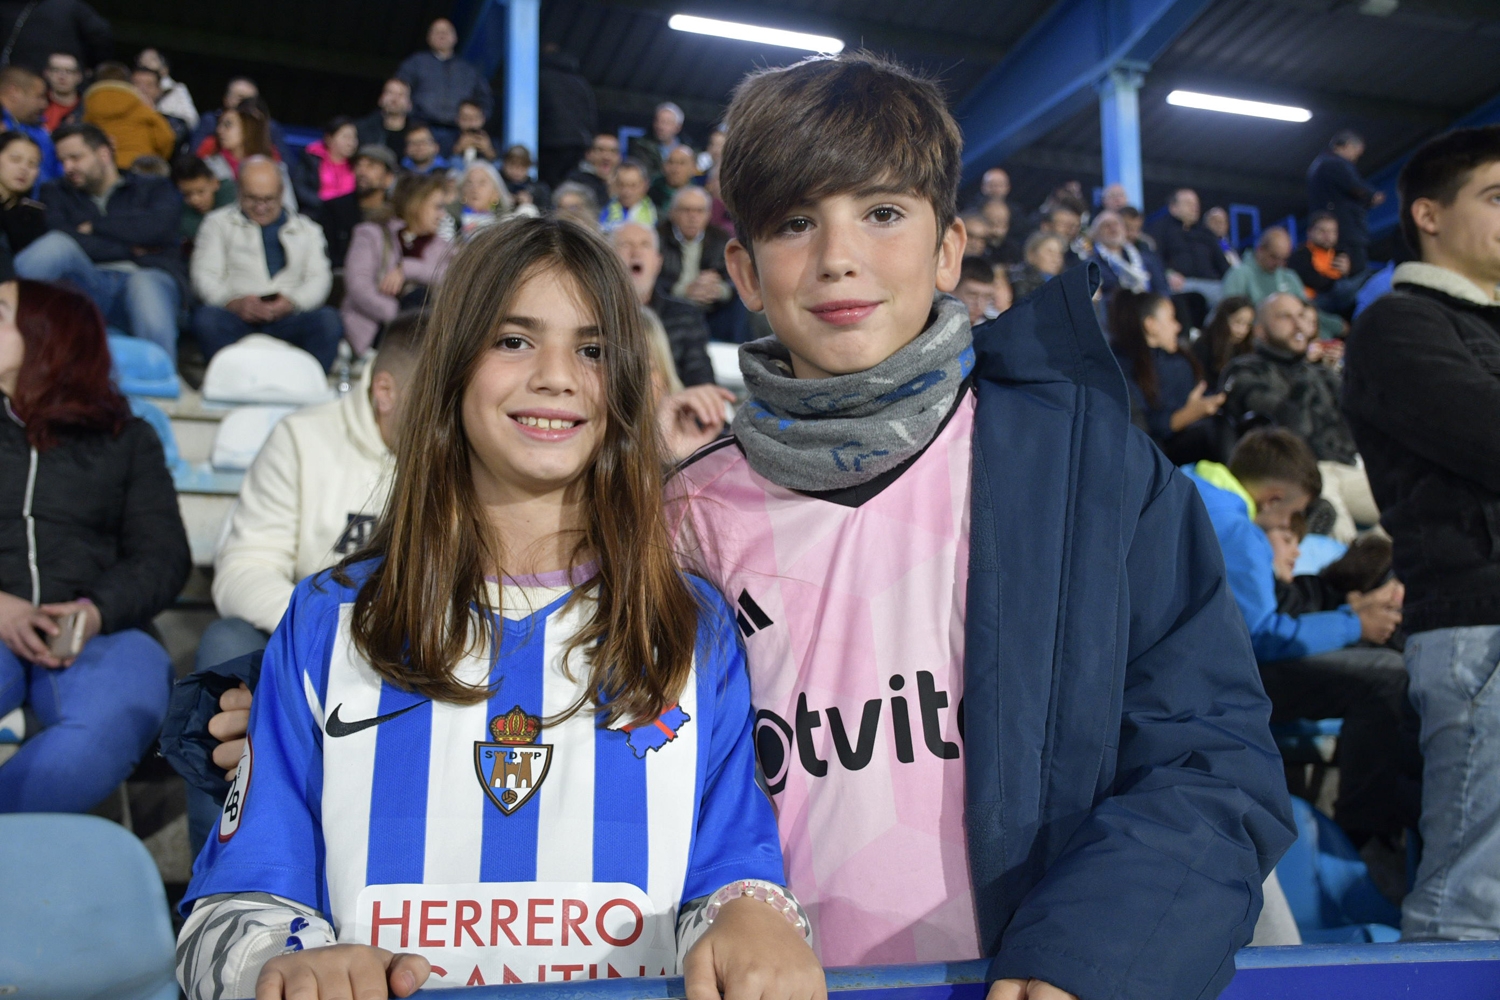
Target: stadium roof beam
(1051, 73)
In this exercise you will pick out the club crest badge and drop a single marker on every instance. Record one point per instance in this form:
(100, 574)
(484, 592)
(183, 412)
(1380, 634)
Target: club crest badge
(514, 766)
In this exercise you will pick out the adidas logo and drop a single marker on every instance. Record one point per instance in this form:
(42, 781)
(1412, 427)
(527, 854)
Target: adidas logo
(756, 620)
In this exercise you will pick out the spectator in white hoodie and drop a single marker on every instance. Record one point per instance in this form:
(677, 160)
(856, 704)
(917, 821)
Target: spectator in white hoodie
(310, 498)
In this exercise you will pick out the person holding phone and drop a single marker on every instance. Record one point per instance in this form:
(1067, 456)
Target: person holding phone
(92, 547)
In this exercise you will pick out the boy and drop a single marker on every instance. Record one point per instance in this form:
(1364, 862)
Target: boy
(201, 191)
(1309, 663)
(976, 289)
(1007, 707)
(1422, 394)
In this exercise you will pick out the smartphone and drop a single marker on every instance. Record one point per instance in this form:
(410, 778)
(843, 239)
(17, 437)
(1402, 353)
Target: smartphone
(269, 298)
(68, 642)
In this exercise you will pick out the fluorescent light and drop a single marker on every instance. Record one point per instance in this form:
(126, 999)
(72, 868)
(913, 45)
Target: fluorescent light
(1235, 106)
(754, 33)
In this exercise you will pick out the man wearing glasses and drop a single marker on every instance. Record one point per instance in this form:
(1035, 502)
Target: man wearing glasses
(258, 267)
(64, 102)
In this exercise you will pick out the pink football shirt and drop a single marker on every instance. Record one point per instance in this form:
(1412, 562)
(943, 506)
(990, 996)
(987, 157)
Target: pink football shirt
(853, 618)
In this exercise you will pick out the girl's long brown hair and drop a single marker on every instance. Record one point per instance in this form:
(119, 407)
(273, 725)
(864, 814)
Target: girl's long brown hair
(425, 605)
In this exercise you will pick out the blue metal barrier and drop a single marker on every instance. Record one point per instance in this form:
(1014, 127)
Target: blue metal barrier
(1469, 970)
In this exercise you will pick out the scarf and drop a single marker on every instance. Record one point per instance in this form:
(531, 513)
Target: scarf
(1129, 267)
(831, 433)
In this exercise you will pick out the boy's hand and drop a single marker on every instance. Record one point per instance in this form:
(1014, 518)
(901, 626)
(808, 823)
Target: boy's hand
(752, 953)
(1020, 989)
(341, 972)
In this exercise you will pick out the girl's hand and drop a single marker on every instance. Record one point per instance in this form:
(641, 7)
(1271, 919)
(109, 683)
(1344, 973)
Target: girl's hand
(752, 953)
(342, 972)
(92, 621)
(19, 625)
(692, 418)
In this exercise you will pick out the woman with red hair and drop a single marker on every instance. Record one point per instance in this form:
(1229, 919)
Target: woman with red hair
(91, 548)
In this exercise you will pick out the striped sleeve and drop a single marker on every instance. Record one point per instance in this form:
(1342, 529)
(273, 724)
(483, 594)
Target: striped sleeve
(227, 939)
(736, 835)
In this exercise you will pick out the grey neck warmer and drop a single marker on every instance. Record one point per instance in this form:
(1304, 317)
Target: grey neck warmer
(825, 434)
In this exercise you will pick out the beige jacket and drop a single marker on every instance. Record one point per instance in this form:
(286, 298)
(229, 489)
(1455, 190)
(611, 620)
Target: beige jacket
(229, 260)
(310, 498)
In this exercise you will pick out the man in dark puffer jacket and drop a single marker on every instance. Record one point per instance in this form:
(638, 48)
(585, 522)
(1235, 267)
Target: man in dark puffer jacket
(1422, 393)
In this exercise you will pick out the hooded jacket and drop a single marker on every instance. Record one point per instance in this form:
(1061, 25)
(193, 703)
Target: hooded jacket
(1125, 800)
(93, 516)
(1249, 563)
(1422, 392)
(129, 119)
(309, 499)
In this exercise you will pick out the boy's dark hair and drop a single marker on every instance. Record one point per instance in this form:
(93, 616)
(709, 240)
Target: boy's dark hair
(976, 269)
(1439, 168)
(832, 124)
(1129, 212)
(92, 135)
(188, 167)
(1319, 216)
(631, 163)
(1276, 453)
(1066, 203)
(335, 123)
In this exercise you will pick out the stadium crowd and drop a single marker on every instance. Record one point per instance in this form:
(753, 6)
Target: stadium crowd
(1344, 451)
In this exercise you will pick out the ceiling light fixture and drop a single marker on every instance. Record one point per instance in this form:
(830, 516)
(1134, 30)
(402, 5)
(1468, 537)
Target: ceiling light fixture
(754, 33)
(1235, 106)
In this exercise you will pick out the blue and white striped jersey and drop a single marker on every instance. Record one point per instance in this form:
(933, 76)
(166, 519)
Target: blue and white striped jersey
(392, 814)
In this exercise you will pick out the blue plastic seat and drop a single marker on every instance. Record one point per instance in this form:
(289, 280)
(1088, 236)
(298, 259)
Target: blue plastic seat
(142, 368)
(85, 914)
(162, 425)
(1328, 886)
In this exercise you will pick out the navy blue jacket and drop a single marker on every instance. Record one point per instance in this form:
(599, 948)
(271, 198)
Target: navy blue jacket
(1125, 798)
(140, 224)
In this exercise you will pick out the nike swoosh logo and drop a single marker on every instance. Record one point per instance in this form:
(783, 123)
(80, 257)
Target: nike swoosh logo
(337, 727)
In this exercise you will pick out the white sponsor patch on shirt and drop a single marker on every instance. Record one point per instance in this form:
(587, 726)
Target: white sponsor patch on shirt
(234, 803)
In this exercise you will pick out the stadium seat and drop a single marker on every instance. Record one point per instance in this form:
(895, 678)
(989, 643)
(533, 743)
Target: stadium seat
(142, 368)
(1307, 743)
(162, 425)
(1328, 886)
(241, 434)
(85, 914)
(263, 370)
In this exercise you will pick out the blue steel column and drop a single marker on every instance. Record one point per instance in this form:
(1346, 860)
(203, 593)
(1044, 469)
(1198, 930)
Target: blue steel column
(523, 46)
(1120, 127)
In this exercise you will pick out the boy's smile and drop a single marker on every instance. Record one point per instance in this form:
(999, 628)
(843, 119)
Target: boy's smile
(848, 280)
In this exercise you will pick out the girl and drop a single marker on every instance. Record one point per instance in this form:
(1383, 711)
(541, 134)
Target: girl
(22, 220)
(1227, 337)
(391, 264)
(90, 540)
(483, 199)
(243, 132)
(1166, 383)
(326, 170)
(509, 736)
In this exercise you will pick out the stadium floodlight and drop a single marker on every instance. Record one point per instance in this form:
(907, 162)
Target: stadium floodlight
(755, 33)
(1236, 106)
